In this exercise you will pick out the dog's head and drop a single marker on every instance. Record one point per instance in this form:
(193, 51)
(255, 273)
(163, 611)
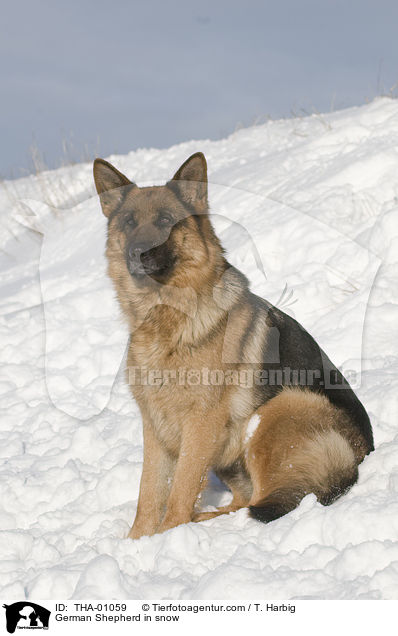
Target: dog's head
(158, 233)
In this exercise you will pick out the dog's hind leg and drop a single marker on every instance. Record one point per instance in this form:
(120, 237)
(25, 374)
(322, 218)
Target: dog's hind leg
(303, 444)
(238, 480)
(236, 504)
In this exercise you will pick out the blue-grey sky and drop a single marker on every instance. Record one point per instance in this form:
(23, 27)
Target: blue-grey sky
(111, 76)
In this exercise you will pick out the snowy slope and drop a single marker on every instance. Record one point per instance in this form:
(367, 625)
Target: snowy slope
(310, 203)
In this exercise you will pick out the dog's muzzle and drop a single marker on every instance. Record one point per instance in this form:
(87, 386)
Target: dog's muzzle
(144, 259)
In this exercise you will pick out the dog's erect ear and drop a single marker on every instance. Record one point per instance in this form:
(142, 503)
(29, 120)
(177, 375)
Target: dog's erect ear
(192, 179)
(110, 184)
(106, 176)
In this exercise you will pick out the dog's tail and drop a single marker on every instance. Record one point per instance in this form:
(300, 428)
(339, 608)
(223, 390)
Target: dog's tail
(324, 465)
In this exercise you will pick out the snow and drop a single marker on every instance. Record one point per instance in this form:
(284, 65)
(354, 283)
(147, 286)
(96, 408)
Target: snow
(307, 208)
(251, 427)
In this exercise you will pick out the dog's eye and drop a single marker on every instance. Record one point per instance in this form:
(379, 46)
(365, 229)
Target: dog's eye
(164, 219)
(131, 222)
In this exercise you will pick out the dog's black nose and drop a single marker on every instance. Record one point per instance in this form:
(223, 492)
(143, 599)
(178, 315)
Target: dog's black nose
(137, 249)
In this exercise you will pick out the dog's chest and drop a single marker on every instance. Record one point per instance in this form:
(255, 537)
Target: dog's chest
(170, 388)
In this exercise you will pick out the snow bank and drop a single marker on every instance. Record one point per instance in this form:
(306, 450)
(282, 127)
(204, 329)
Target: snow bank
(309, 203)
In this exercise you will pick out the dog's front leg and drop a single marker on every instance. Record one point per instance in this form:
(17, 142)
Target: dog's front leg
(154, 486)
(198, 447)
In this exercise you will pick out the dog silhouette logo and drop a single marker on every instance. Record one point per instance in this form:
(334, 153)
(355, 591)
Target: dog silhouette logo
(26, 615)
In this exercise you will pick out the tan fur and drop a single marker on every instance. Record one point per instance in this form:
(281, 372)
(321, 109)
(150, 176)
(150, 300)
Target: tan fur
(301, 439)
(201, 317)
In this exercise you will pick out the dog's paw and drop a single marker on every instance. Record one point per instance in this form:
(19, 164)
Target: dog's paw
(203, 516)
(136, 532)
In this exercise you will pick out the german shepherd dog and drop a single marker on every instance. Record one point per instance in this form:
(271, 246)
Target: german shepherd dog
(272, 440)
